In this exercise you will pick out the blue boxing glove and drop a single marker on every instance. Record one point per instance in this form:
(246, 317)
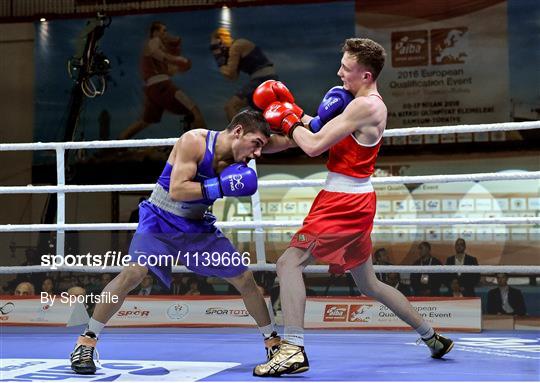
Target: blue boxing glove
(236, 180)
(333, 104)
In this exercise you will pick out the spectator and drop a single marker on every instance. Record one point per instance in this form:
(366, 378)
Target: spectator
(76, 291)
(148, 287)
(505, 299)
(380, 257)
(394, 280)
(425, 284)
(193, 287)
(456, 290)
(466, 280)
(47, 286)
(25, 289)
(177, 286)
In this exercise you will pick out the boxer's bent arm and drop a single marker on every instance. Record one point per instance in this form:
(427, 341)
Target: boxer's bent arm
(189, 152)
(278, 143)
(154, 49)
(230, 70)
(358, 115)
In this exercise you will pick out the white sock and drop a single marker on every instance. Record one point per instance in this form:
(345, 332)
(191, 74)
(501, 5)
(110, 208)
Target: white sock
(95, 326)
(268, 329)
(425, 331)
(294, 335)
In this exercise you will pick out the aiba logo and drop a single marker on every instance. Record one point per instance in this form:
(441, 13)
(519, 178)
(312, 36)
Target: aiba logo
(335, 313)
(410, 48)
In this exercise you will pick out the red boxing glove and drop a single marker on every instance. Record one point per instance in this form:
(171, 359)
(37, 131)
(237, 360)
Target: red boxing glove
(281, 119)
(294, 108)
(271, 91)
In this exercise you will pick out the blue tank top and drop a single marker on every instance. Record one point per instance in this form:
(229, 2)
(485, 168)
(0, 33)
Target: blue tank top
(204, 169)
(254, 61)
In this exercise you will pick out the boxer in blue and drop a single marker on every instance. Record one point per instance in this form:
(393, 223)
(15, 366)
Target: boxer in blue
(174, 223)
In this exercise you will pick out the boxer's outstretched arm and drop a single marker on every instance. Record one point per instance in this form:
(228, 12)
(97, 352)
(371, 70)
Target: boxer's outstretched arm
(359, 115)
(189, 151)
(278, 143)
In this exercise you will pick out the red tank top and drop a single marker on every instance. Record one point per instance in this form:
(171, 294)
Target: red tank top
(151, 67)
(352, 158)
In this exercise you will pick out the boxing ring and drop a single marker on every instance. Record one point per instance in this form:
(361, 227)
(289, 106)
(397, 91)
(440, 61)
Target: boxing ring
(229, 354)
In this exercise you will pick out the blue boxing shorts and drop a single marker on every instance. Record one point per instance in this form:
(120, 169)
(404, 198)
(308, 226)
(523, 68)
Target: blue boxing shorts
(163, 240)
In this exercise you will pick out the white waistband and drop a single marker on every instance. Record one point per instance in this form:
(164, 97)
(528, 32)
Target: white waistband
(157, 78)
(161, 198)
(265, 71)
(340, 183)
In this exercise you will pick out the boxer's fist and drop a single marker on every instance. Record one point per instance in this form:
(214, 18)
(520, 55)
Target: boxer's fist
(220, 52)
(294, 108)
(235, 180)
(281, 119)
(271, 91)
(333, 104)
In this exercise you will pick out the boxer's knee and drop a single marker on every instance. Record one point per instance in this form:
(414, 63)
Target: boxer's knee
(131, 276)
(293, 260)
(243, 282)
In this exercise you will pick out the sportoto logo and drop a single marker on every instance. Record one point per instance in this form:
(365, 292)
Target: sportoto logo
(236, 182)
(135, 312)
(178, 311)
(224, 311)
(39, 370)
(335, 313)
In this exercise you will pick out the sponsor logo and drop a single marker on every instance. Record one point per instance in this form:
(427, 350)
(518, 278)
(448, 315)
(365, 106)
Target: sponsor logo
(449, 45)
(178, 311)
(230, 312)
(236, 182)
(360, 313)
(335, 313)
(31, 370)
(7, 308)
(135, 312)
(410, 48)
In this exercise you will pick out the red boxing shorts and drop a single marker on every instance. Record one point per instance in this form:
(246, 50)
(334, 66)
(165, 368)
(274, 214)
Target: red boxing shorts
(338, 228)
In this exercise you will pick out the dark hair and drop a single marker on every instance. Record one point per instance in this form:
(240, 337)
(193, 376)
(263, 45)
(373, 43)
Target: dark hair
(155, 26)
(425, 244)
(251, 121)
(367, 53)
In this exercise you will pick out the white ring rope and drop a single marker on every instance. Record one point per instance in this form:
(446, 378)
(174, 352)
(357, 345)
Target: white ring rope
(443, 178)
(484, 269)
(278, 224)
(417, 131)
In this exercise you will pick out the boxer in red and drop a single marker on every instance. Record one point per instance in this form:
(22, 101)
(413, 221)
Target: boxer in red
(350, 124)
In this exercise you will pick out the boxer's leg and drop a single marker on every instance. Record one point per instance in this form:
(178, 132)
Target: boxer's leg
(291, 357)
(257, 308)
(368, 284)
(82, 357)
